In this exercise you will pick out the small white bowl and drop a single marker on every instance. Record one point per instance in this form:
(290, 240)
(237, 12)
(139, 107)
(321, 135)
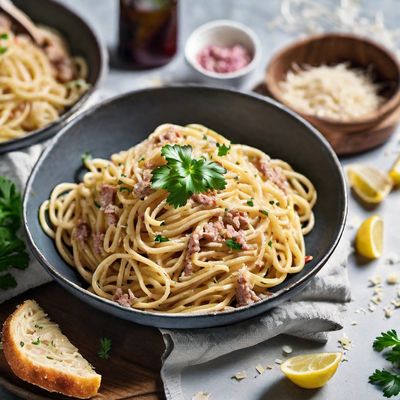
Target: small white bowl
(223, 33)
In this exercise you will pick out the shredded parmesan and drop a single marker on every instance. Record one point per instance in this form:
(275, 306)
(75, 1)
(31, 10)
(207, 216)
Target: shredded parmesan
(336, 92)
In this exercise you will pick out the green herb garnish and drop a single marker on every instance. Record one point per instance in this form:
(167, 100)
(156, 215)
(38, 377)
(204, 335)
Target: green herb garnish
(97, 205)
(4, 36)
(86, 156)
(160, 239)
(250, 202)
(36, 342)
(233, 244)
(265, 212)
(270, 243)
(388, 381)
(12, 249)
(223, 150)
(3, 50)
(22, 344)
(183, 175)
(105, 348)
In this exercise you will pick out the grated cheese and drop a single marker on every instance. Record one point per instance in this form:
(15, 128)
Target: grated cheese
(336, 92)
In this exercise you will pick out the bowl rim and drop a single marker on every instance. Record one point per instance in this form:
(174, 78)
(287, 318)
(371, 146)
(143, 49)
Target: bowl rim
(66, 117)
(384, 110)
(224, 23)
(280, 294)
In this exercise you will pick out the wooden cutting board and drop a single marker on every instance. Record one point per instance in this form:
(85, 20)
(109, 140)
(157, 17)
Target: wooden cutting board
(131, 372)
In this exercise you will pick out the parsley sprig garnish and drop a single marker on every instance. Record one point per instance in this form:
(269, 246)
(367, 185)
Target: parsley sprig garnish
(105, 348)
(184, 176)
(160, 239)
(388, 381)
(233, 244)
(12, 249)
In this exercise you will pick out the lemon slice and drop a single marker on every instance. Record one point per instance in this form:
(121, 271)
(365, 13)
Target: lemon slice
(311, 371)
(370, 184)
(369, 238)
(394, 172)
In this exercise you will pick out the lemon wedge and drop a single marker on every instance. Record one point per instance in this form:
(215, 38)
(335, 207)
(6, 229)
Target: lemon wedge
(394, 172)
(311, 371)
(369, 238)
(370, 184)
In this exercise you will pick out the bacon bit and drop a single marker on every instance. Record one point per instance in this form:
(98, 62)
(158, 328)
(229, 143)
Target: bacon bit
(193, 247)
(171, 135)
(244, 293)
(143, 188)
(124, 299)
(274, 174)
(308, 259)
(98, 239)
(82, 232)
(239, 219)
(207, 200)
(211, 231)
(107, 196)
(111, 214)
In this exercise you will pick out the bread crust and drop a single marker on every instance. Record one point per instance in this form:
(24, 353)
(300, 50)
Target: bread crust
(47, 378)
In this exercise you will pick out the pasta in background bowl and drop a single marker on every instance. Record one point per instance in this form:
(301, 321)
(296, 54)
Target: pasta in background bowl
(182, 261)
(43, 85)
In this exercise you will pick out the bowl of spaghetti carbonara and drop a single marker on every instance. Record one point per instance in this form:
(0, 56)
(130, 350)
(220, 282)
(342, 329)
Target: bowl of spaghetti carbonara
(46, 72)
(187, 215)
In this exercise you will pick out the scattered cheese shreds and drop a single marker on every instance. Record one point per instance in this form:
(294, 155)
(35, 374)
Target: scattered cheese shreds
(287, 349)
(388, 312)
(371, 307)
(392, 258)
(201, 396)
(278, 361)
(269, 366)
(260, 369)
(345, 342)
(396, 303)
(392, 279)
(354, 323)
(240, 375)
(375, 280)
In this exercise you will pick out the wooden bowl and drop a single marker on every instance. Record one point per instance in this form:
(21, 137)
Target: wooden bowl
(346, 137)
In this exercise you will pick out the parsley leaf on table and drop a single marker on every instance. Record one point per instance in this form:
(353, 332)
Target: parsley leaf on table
(183, 175)
(387, 381)
(12, 249)
(105, 348)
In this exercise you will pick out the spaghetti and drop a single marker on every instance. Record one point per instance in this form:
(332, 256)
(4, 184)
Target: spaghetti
(221, 249)
(37, 83)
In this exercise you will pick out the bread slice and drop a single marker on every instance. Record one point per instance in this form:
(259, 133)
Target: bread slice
(40, 354)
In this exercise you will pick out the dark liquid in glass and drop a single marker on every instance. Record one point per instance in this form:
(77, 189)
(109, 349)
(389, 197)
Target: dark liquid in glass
(147, 32)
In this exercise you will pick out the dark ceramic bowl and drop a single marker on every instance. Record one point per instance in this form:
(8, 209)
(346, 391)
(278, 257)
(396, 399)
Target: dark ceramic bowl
(126, 120)
(82, 42)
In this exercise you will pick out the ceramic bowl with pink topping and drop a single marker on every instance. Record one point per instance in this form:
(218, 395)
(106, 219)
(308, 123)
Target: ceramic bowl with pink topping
(223, 52)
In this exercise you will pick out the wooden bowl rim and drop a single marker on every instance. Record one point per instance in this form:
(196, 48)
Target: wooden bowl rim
(386, 108)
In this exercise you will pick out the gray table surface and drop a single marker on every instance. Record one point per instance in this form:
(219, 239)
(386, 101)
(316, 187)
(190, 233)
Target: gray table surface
(351, 380)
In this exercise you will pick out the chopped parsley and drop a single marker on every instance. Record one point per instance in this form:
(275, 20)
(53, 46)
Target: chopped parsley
(250, 202)
(97, 205)
(22, 344)
(4, 36)
(36, 342)
(205, 137)
(265, 212)
(105, 348)
(160, 239)
(3, 49)
(233, 244)
(223, 150)
(272, 202)
(183, 175)
(123, 175)
(86, 156)
(38, 326)
(270, 243)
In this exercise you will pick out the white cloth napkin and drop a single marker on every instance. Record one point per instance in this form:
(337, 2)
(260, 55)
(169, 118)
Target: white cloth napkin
(314, 312)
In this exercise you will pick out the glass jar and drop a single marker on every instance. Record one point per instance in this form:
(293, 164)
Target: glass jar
(147, 32)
